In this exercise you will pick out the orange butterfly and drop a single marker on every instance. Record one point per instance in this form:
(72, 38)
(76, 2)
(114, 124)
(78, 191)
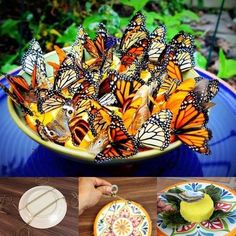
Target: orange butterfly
(134, 43)
(121, 144)
(189, 125)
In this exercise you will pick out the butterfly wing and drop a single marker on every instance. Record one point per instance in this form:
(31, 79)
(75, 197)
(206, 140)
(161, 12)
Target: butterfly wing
(182, 40)
(125, 88)
(67, 74)
(134, 32)
(50, 103)
(157, 44)
(134, 43)
(206, 90)
(16, 100)
(155, 132)
(189, 125)
(79, 129)
(121, 145)
(34, 56)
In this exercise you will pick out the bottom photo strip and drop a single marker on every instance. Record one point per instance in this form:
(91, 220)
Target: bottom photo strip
(123, 206)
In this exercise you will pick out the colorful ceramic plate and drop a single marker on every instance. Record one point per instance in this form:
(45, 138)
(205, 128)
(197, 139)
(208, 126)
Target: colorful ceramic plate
(219, 227)
(122, 218)
(42, 207)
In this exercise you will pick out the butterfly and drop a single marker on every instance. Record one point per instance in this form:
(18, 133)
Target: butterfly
(22, 93)
(189, 125)
(96, 48)
(178, 62)
(134, 43)
(124, 89)
(34, 57)
(51, 102)
(108, 83)
(16, 100)
(77, 48)
(99, 142)
(79, 129)
(99, 117)
(155, 132)
(121, 144)
(99, 47)
(156, 47)
(182, 40)
(58, 130)
(67, 74)
(206, 90)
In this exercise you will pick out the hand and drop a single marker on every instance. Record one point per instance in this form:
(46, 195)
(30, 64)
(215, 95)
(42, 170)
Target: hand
(90, 192)
(162, 206)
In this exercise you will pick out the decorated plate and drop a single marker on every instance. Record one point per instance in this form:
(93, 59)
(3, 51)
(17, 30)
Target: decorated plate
(223, 225)
(42, 207)
(122, 218)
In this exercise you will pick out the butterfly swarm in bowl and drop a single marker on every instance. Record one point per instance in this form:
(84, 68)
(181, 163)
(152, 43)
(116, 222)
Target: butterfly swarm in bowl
(116, 97)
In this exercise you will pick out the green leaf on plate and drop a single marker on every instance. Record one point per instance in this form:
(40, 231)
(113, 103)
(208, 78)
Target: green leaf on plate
(218, 214)
(213, 192)
(173, 219)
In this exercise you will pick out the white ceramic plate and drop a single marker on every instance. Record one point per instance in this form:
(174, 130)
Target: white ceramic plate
(42, 207)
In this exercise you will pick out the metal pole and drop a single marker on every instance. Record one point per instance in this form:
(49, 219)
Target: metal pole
(214, 35)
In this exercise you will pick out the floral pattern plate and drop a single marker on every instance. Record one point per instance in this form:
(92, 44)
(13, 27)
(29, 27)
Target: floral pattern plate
(218, 227)
(122, 218)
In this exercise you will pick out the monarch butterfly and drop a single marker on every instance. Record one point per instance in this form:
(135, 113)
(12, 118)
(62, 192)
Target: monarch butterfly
(178, 62)
(134, 43)
(189, 125)
(206, 90)
(16, 100)
(96, 48)
(125, 88)
(24, 92)
(77, 48)
(155, 132)
(134, 33)
(51, 101)
(156, 46)
(79, 129)
(67, 74)
(85, 87)
(34, 57)
(121, 144)
(182, 40)
(108, 83)
(99, 117)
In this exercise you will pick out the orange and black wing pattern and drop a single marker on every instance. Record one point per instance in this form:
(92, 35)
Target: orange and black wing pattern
(121, 144)
(189, 125)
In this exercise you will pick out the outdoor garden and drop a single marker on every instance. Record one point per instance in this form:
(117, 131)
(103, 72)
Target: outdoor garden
(212, 23)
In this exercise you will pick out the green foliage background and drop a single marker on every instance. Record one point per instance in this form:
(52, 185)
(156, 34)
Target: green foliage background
(56, 21)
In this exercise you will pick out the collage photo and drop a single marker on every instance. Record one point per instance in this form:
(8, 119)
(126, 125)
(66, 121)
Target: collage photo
(118, 118)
